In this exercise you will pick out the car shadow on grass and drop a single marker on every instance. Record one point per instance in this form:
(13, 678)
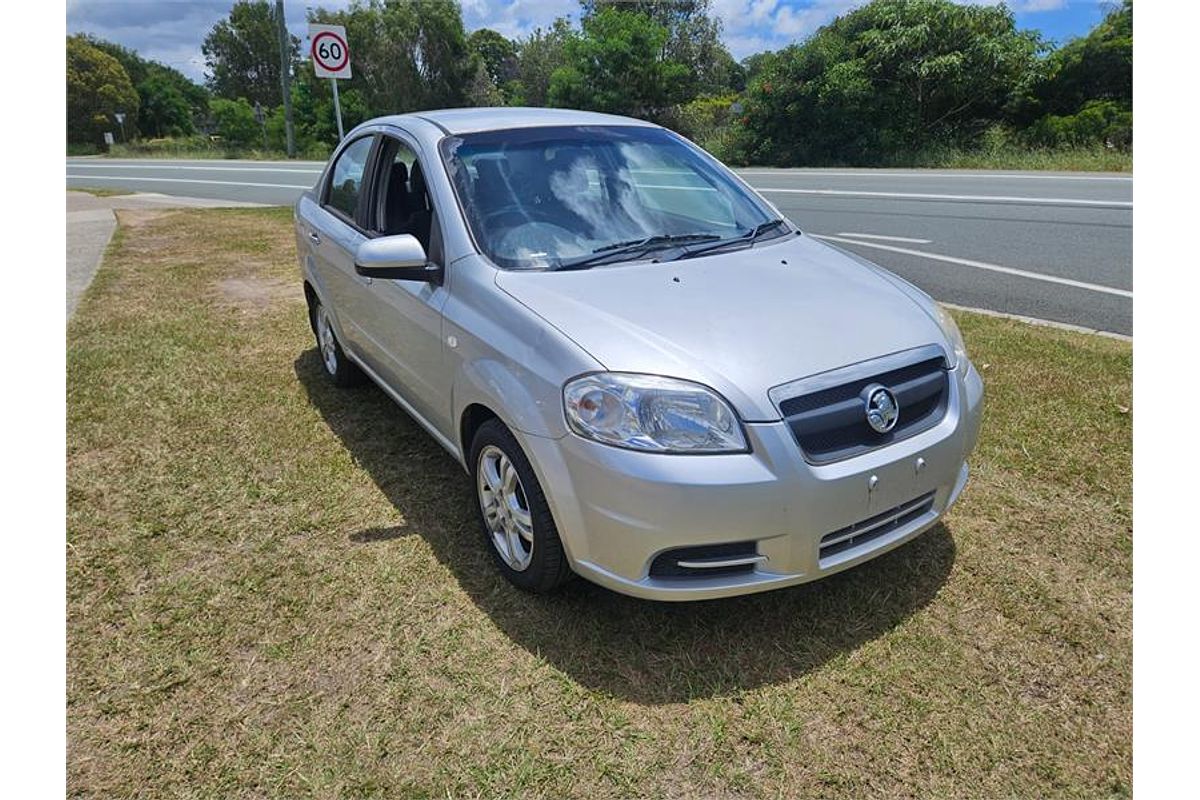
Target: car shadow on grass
(636, 650)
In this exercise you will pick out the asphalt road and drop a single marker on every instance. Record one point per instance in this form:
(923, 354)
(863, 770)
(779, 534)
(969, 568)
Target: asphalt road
(1052, 246)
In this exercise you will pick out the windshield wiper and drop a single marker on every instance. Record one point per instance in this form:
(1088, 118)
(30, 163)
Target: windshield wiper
(644, 244)
(747, 239)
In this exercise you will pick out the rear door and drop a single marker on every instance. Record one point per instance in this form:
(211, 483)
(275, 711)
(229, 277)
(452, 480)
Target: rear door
(336, 232)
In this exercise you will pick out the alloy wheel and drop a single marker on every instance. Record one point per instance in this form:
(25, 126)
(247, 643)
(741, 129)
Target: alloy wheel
(327, 341)
(505, 508)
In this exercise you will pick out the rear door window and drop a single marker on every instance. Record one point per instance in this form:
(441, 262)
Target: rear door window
(346, 183)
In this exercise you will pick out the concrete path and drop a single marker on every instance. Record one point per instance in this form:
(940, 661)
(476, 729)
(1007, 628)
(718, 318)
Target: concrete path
(90, 226)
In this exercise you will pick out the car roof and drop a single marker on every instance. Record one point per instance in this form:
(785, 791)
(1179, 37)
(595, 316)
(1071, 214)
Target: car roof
(474, 120)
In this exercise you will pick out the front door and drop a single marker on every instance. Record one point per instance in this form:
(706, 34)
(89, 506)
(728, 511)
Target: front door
(401, 321)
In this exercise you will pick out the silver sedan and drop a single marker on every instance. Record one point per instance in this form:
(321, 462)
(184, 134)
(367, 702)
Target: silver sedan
(654, 380)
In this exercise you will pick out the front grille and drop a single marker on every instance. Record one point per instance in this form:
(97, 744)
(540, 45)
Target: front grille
(830, 424)
(706, 560)
(860, 533)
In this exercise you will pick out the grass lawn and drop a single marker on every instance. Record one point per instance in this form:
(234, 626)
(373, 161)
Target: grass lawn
(276, 588)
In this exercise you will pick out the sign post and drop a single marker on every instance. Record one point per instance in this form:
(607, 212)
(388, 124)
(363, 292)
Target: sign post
(337, 109)
(331, 59)
(261, 119)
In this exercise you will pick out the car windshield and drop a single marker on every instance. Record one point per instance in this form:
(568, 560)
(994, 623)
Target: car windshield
(548, 198)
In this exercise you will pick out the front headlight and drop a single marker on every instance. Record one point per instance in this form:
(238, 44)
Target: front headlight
(652, 413)
(953, 335)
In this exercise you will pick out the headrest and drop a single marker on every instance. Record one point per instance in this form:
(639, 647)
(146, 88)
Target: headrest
(398, 175)
(416, 179)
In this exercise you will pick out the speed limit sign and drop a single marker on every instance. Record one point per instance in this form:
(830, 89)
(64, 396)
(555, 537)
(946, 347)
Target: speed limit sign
(330, 53)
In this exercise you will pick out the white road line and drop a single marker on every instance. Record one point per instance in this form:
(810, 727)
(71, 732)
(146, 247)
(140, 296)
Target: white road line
(970, 198)
(886, 238)
(189, 167)
(976, 175)
(187, 180)
(966, 262)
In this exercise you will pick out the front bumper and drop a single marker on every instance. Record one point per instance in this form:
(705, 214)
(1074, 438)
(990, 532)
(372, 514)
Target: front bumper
(616, 510)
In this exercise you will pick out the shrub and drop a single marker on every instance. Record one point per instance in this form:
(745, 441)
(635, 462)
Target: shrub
(316, 151)
(704, 119)
(185, 145)
(235, 122)
(82, 149)
(1098, 122)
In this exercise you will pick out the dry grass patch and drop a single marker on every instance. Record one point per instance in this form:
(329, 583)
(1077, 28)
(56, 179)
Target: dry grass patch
(275, 588)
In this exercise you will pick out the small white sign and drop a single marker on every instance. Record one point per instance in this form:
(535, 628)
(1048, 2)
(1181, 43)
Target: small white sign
(108, 138)
(329, 50)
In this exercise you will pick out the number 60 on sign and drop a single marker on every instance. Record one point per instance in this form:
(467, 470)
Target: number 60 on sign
(329, 51)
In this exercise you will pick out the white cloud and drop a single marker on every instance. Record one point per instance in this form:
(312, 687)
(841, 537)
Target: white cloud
(752, 26)
(516, 18)
(1038, 5)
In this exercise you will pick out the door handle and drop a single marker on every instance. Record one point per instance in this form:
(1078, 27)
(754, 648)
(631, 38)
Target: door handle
(314, 237)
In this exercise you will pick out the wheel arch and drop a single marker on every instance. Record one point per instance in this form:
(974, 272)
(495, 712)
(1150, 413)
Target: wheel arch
(313, 295)
(310, 299)
(472, 418)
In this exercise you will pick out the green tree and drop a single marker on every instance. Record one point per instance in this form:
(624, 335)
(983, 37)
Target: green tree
(405, 56)
(892, 76)
(482, 90)
(538, 56)
(235, 123)
(616, 66)
(314, 117)
(97, 88)
(1084, 91)
(753, 64)
(159, 89)
(499, 55)
(165, 111)
(1097, 67)
(693, 39)
(242, 54)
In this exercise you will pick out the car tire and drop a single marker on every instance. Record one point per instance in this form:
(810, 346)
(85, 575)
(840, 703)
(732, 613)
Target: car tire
(523, 541)
(338, 368)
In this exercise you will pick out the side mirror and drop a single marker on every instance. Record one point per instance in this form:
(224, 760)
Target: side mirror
(397, 258)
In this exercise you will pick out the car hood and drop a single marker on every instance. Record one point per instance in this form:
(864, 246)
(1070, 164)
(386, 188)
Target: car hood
(740, 322)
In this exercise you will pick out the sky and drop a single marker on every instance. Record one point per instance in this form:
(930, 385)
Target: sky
(170, 31)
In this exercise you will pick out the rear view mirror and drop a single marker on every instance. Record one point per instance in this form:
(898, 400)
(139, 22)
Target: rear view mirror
(398, 258)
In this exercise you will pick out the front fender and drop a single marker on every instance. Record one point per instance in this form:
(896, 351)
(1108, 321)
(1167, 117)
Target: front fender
(506, 357)
(492, 383)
